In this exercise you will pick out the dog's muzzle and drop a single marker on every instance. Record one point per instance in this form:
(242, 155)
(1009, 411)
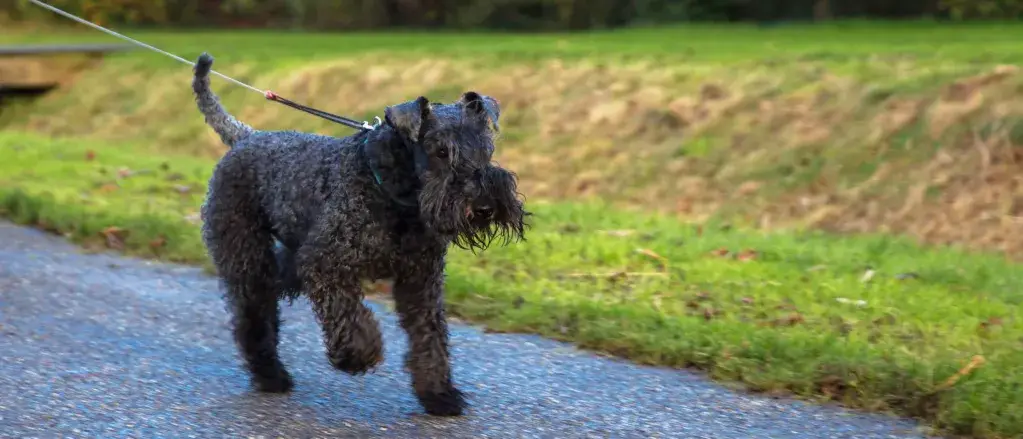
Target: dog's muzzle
(495, 196)
(490, 210)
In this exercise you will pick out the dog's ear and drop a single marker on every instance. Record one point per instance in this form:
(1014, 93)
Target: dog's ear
(410, 118)
(482, 107)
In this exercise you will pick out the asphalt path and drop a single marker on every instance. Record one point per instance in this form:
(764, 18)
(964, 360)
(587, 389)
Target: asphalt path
(102, 346)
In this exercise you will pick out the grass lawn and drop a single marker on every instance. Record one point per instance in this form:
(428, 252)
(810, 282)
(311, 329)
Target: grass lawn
(856, 127)
(698, 42)
(874, 322)
(840, 127)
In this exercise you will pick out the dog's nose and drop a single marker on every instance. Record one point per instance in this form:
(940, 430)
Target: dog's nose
(483, 211)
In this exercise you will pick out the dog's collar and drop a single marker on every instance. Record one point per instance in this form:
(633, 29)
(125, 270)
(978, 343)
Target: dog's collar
(407, 202)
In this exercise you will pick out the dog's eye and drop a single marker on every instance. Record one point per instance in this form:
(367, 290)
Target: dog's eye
(442, 152)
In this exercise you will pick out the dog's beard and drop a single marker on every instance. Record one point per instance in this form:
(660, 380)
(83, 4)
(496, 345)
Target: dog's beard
(448, 212)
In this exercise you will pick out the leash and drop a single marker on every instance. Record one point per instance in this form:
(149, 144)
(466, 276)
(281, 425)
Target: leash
(269, 95)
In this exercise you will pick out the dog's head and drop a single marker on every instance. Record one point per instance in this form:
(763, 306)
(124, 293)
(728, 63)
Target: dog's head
(464, 195)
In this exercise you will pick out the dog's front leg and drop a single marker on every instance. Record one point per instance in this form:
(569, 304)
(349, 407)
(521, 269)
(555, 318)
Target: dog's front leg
(418, 294)
(350, 331)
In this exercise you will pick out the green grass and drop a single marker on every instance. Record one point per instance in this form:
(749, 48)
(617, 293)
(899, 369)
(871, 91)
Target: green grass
(784, 319)
(841, 41)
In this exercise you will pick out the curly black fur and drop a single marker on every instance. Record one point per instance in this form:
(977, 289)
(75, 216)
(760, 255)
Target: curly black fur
(290, 213)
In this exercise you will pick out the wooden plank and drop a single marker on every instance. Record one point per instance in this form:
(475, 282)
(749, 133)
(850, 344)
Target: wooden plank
(33, 67)
(28, 73)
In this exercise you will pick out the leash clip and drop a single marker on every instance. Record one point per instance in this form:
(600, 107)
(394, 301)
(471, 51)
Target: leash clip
(367, 126)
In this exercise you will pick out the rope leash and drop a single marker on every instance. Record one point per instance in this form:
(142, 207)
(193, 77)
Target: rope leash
(269, 95)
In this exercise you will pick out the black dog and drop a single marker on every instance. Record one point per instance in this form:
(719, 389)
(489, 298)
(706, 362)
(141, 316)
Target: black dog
(381, 204)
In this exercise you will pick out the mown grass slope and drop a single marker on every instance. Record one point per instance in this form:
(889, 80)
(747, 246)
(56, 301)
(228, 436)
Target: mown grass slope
(859, 127)
(868, 128)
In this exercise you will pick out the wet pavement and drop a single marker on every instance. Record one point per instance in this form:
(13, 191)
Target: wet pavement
(102, 346)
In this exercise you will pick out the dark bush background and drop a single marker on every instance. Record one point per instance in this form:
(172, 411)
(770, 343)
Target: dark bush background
(521, 15)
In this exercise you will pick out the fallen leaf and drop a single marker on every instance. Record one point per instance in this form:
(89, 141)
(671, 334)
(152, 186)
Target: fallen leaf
(721, 252)
(867, 276)
(616, 275)
(109, 187)
(652, 254)
(859, 303)
(747, 300)
(619, 233)
(115, 237)
(747, 255)
(124, 173)
(793, 319)
(90, 155)
(158, 243)
(831, 385)
(974, 363)
(989, 324)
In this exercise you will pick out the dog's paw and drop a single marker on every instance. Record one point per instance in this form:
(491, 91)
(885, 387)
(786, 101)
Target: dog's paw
(278, 381)
(355, 364)
(357, 359)
(450, 402)
(357, 351)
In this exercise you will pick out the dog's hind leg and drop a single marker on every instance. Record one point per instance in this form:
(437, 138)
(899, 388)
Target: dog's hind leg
(239, 242)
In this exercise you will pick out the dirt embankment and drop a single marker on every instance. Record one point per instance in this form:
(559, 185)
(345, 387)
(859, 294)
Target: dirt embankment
(806, 146)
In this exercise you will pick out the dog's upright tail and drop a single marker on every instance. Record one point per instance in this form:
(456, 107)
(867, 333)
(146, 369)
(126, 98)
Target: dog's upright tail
(229, 129)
